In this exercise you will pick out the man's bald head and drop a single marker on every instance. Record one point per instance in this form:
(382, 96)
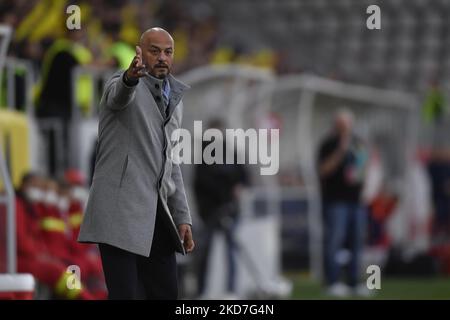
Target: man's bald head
(155, 34)
(157, 47)
(344, 119)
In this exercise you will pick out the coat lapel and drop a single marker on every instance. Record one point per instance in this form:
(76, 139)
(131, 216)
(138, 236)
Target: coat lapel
(176, 93)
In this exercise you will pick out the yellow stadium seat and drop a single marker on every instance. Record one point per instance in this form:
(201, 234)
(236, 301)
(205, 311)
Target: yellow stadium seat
(14, 140)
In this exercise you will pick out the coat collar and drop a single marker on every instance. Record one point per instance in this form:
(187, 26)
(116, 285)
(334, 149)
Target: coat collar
(176, 86)
(176, 90)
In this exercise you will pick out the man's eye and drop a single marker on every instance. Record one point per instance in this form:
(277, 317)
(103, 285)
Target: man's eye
(169, 52)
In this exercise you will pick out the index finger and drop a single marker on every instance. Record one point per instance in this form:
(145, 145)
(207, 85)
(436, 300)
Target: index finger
(139, 51)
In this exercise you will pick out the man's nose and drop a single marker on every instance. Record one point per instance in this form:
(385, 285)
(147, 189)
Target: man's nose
(162, 57)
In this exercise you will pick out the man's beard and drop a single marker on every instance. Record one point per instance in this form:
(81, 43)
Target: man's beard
(161, 75)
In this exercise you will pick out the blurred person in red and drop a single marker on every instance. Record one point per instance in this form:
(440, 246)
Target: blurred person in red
(342, 170)
(33, 255)
(78, 198)
(53, 226)
(79, 194)
(56, 234)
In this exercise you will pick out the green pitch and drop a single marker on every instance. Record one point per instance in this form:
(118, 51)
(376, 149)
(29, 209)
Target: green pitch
(391, 288)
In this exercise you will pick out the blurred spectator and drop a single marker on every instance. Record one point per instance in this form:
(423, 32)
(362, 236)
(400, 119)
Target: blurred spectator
(70, 210)
(435, 105)
(439, 171)
(55, 232)
(79, 194)
(32, 252)
(380, 209)
(342, 166)
(119, 53)
(217, 189)
(55, 96)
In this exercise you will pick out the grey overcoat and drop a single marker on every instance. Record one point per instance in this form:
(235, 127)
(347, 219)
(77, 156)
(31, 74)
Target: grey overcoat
(133, 167)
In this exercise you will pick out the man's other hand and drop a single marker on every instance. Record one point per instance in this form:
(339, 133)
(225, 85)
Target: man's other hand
(185, 232)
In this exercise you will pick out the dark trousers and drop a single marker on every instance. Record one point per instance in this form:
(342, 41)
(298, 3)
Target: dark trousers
(131, 276)
(344, 221)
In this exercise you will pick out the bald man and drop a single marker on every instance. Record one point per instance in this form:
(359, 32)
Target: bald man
(342, 170)
(137, 209)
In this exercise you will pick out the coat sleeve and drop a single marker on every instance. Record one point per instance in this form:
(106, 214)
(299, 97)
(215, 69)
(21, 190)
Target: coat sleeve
(117, 95)
(177, 202)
